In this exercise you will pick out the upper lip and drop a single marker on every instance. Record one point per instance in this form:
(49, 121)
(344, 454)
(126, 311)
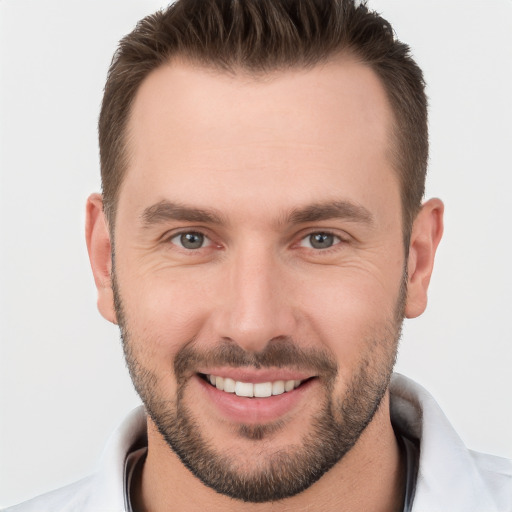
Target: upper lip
(255, 375)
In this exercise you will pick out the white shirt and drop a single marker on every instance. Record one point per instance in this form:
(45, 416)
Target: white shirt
(450, 478)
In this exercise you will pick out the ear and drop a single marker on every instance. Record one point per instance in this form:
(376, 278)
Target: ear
(100, 255)
(426, 234)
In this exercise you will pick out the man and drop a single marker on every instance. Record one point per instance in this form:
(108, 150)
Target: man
(259, 240)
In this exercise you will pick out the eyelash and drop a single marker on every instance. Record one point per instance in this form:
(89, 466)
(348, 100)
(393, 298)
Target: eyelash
(338, 240)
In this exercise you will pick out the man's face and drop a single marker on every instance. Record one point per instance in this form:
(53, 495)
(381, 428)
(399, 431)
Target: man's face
(258, 245)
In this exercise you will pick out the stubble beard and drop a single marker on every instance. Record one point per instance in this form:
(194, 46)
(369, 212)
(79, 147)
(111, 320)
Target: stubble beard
(288, 471)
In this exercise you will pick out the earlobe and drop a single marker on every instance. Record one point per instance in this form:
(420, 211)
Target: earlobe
(426, 234)
(100, 255)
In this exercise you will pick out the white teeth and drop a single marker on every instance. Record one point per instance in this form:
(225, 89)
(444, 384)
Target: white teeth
(278, 387)
(289, 385)
(263, 389)
(248, 389)
(229, 385)
(219, 383)
(244, 389)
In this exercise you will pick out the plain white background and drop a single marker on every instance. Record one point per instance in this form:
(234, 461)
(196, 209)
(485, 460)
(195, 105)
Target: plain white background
(63, 385)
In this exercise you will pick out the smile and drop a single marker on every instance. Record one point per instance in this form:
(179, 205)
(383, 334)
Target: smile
(249, 389)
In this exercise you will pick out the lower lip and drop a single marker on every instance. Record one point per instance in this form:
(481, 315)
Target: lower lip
(255, 410)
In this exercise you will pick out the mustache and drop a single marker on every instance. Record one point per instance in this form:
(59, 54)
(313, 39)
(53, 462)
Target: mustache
(280, 352)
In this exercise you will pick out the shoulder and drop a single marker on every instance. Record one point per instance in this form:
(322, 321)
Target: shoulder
(103, 491)
(495, 471)
(73, 497)
(450, 476)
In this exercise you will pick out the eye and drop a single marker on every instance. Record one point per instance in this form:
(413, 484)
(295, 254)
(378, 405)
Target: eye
(320, 240)
(191, 240)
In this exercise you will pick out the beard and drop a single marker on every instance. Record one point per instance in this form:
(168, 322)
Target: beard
(285, 472)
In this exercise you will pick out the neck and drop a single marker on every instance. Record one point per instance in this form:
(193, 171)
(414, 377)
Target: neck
(370, 476)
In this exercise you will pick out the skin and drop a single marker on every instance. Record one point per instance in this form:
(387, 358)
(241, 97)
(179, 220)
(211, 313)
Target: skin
(253, 151)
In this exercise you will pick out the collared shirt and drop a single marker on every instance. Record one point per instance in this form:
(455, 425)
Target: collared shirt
(411, 455)
(450, 477)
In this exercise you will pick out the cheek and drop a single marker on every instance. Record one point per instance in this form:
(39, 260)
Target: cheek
(351, 313)
(163, 312)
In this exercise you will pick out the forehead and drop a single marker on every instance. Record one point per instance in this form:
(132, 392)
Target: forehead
(194, 128)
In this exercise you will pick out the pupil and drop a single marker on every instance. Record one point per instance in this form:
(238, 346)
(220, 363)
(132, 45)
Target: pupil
(321, 240)
(192, 240)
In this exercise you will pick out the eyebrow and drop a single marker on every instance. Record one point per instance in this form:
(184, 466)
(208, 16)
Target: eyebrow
(165, 211)
(331, 210)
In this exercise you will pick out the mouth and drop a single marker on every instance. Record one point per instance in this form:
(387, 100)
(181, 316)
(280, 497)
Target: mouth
(253, 389)
(245, 396)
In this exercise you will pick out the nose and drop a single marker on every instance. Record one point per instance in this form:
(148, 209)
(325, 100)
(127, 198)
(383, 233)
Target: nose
(256, 305)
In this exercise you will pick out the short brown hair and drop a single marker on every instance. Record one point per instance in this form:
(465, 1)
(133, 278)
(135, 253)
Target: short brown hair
(262, 36)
